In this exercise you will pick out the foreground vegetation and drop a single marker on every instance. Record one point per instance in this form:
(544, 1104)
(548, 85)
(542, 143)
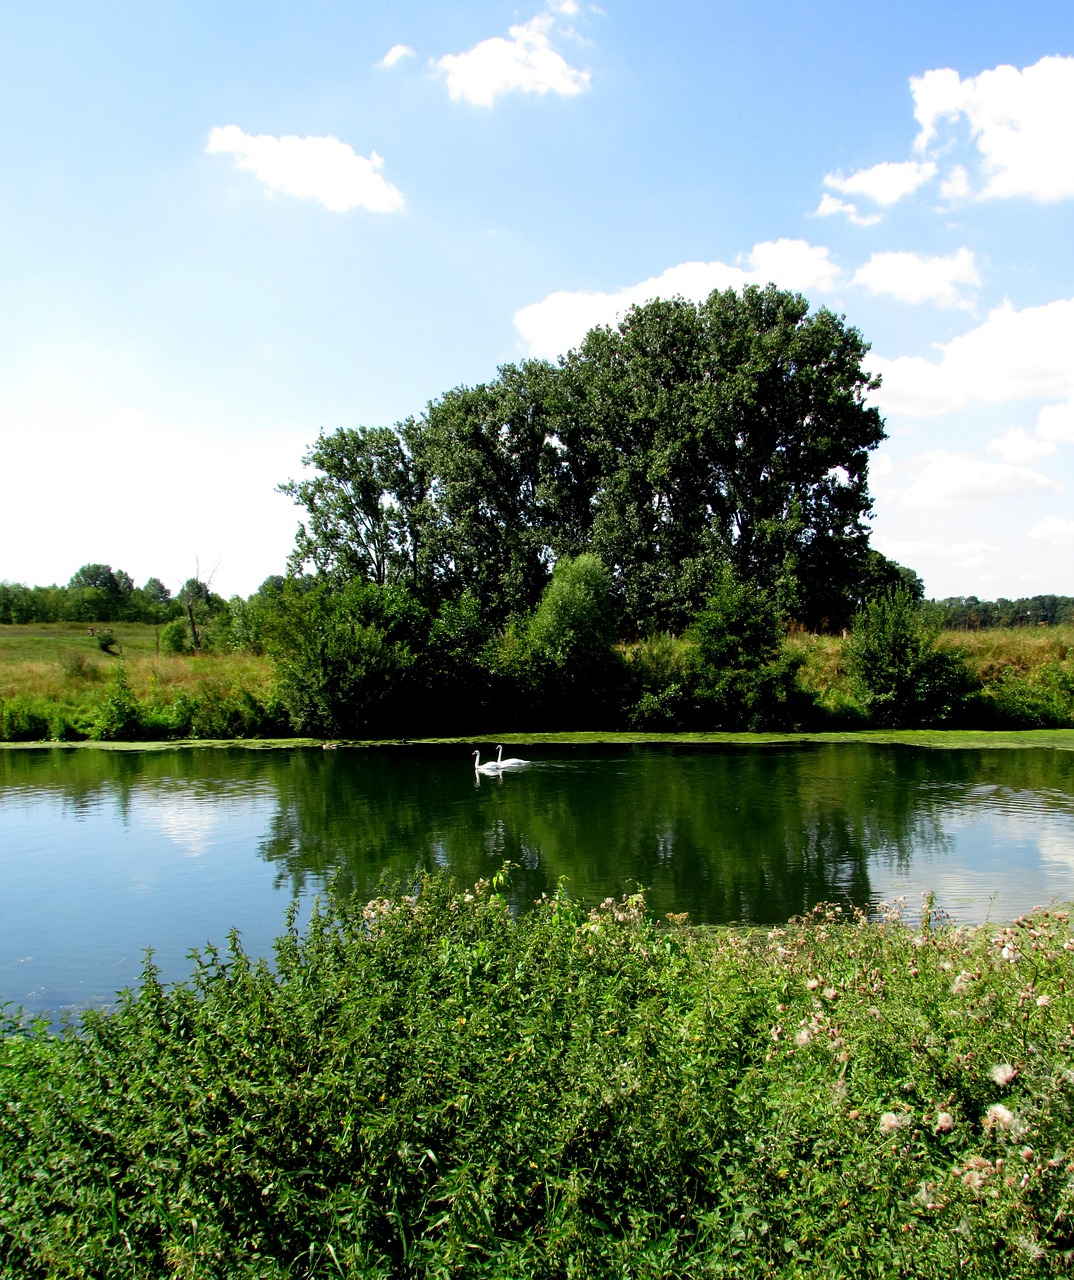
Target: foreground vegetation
(430, 1086)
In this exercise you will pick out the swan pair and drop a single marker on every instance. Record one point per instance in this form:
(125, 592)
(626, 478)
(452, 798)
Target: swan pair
(499, 764)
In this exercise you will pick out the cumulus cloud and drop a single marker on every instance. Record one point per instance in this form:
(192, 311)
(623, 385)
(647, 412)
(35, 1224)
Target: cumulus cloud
(830, 205)
(1012, 355)
(959, 555)
(322, 169)
(1055, 423)
(910, 277)
(886, 183)
(1055, 530)
(1019, 447)
(1021, 122)
(395, 55)
(561, 320)
(524, 63)
(950, 479)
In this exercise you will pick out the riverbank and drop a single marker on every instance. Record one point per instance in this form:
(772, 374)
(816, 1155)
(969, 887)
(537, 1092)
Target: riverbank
(939, 739)
(58, 684)
(431, 1085)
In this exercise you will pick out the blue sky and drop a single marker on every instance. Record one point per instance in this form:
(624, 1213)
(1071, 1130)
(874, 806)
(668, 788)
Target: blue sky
(226, 226)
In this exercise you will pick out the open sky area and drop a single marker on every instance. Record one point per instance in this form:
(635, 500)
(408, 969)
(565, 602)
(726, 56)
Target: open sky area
(225, 226)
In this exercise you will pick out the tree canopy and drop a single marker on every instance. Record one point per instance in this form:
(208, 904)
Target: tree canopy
(689, 437)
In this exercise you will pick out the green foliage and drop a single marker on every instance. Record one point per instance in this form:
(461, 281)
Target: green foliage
(659, 677)
(426, 1084)
(567, 655)
(1042, 700)
(345, 659)
(904, 681)
(175, 637)
(106, 639)
(24, 719)
(120, 716)
(743, 679)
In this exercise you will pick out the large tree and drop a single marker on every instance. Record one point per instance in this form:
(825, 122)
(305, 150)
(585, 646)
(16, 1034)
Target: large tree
(735, 431)
(361, 505)
(687, 438)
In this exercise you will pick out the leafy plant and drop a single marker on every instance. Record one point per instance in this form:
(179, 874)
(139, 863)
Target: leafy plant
(903, 679)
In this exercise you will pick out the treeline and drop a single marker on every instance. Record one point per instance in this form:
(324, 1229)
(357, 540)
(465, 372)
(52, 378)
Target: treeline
(95, 593)
(967, 613)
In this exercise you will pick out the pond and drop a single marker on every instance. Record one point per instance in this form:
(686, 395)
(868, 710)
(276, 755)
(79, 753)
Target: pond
(105, 854)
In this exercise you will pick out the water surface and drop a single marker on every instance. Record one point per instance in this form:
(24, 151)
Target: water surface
(104, 854)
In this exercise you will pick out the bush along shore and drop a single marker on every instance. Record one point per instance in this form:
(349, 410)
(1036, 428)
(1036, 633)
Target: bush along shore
(735, 669)
(429, 1085)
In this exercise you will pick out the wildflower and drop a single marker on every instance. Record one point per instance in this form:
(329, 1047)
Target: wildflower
(962, 983)
(945, 1122)
(829, 993)
(1003, 1073)
(892, 1122)
(812, 984)
(998, 1116)
(802, 1038)
(1043, 1001)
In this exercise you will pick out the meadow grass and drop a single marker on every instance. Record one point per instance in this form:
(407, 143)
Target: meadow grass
(57, 682)
(428, 1085)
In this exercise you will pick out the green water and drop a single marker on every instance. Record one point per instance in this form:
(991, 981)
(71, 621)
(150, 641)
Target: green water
(105, 854)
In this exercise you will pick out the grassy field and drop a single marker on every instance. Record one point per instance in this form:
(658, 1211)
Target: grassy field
(428, 1086)
(55, 677)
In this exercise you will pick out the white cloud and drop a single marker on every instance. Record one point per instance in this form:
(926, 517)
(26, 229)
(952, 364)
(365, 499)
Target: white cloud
(322, 169)
(959, 555)
(1055, 530)
(395, 55)
(561, 320)
(956, 186)
(1019, 447)
(830, 205)
(525, 63)
(910, 277)
(1012, 355)
(884, 183)
(1055, 423)
(1022, 123)
(949, 479)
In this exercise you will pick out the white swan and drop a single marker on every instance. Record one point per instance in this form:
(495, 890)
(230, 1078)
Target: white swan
(492, 767)
(512, 762)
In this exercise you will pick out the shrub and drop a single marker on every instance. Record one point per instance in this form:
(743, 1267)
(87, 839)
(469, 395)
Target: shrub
(657, 673)
(903, 680)
(1041, 700)
(428, 1084)
(175, 637)
(25, 719)
(565, 650)
(344, 659)
(106, 639)
(742, 678)
(120, 717)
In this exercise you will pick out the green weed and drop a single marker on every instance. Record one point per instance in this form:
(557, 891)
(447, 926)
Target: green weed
(428, 1085)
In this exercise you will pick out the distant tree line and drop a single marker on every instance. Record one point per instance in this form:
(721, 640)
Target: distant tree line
(967, 613)
(95, 593)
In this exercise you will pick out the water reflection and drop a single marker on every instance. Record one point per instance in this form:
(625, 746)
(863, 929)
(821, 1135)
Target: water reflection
(104, 854)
